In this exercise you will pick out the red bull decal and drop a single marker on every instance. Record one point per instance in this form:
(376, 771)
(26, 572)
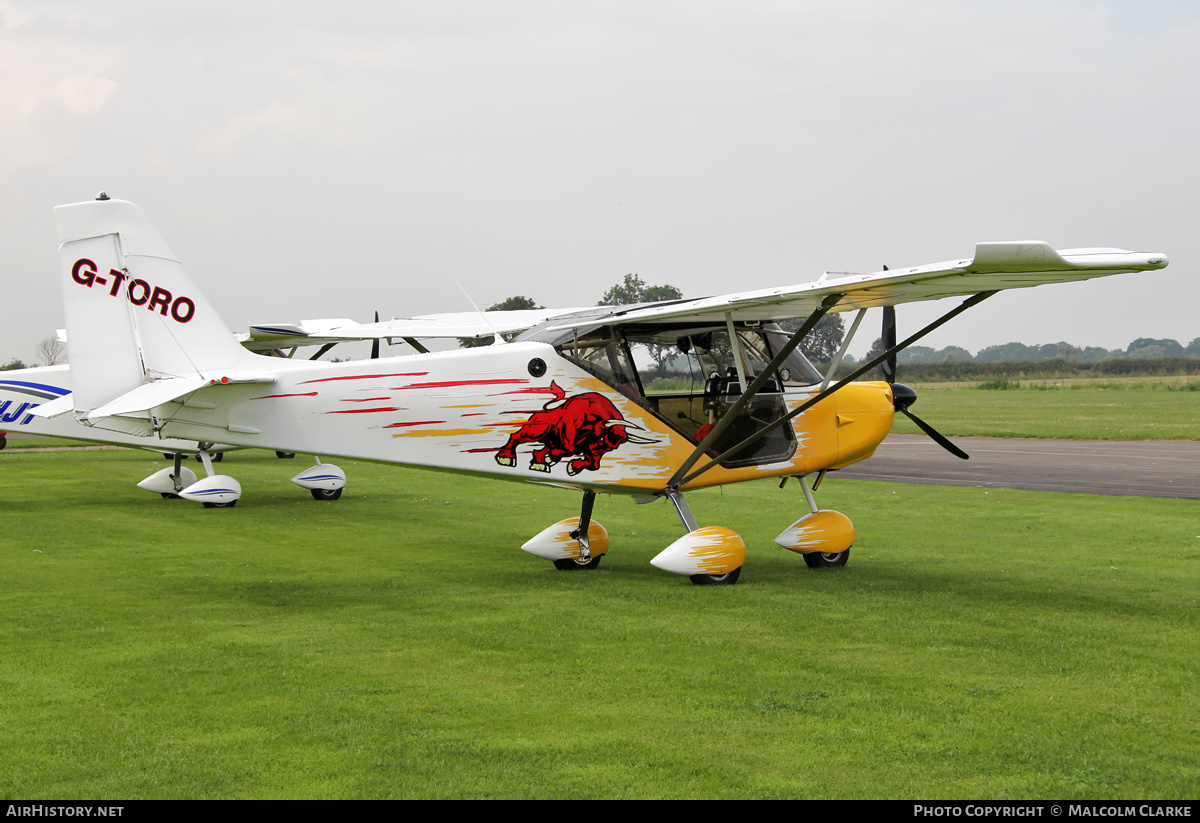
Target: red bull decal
(140, 293)
(583, 427)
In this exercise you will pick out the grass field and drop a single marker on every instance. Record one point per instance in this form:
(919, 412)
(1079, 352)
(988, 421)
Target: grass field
(14, 443)
(1117, 409)
(398, 644)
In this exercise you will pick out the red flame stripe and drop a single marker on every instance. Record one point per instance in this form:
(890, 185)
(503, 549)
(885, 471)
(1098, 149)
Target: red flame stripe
(366, 411)
(450, 383)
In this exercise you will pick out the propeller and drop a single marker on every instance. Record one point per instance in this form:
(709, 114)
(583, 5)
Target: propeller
(904, 396)
(888, 340)
(375, 342)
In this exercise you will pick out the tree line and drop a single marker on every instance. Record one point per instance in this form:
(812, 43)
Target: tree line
(1143, 348)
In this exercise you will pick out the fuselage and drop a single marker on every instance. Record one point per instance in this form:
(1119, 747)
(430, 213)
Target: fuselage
(517, 411)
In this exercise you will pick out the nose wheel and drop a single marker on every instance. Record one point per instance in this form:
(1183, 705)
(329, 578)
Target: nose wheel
(716, 579)
(823, 560)
(577, 564)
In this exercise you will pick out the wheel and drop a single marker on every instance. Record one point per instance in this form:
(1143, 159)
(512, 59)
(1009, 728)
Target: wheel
(208, 504)
(727, 579)
(571, 564)
(3, 441)
(217, 457)
(326, 494)
(285, 455)
(170, 496)
(821, 560)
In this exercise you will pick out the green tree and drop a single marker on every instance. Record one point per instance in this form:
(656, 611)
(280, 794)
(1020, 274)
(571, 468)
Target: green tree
(873, 352)
(1008, 352)
(1094, 354)
(515, 303)
(1170, 348)
(634, 290)
(823, 341)
(13, 365)
(952, 354)
(917, 354)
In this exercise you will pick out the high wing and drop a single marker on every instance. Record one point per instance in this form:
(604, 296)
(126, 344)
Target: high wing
(995, 266)
(267, 336)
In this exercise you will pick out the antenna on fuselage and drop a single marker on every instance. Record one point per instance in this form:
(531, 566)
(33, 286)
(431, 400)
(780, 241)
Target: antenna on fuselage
(496, 338)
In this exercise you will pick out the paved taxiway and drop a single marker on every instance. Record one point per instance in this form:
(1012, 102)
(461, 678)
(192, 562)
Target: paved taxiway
(1145, 468)
(1151, 468)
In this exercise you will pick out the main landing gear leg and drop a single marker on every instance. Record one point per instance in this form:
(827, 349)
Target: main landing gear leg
(575, 544)
(710, 556)
(177, 478)
(585, 561)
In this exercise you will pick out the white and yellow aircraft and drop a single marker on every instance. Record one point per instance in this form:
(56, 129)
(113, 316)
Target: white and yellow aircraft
(649, 401)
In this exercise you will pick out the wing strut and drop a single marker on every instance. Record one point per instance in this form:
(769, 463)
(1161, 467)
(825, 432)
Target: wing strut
(837, 360)
(748, 395)
(812, 401)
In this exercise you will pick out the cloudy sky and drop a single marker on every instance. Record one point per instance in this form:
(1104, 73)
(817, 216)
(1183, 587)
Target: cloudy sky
(333, 159)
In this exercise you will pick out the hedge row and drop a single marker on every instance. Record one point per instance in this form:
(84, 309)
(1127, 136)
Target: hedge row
(1056, 367)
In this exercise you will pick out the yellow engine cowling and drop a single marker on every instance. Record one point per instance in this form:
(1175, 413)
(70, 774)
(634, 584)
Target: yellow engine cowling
(864, 417)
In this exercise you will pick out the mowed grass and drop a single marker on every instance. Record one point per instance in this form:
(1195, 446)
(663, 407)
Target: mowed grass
(1145, 410)
(980, 644)
(44, 442)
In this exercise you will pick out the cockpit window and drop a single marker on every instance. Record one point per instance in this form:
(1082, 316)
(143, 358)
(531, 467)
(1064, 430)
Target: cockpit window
(603, 353)
(690, 377)
(796, 370)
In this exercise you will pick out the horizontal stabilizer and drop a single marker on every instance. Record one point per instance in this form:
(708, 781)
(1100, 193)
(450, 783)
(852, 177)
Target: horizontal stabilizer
(60, 405)
(148, 396)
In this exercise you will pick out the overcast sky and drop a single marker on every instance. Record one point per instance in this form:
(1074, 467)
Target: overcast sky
(332, 159)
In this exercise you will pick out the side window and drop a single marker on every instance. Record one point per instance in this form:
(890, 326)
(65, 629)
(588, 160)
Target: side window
(605, 356)
(689, 379)
(796, 370)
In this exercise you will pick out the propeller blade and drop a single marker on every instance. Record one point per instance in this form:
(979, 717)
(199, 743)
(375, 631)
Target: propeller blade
(889, 340)
(375, 342)
(934, 434)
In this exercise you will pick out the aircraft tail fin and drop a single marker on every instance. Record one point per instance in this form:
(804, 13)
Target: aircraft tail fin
(133, 314)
